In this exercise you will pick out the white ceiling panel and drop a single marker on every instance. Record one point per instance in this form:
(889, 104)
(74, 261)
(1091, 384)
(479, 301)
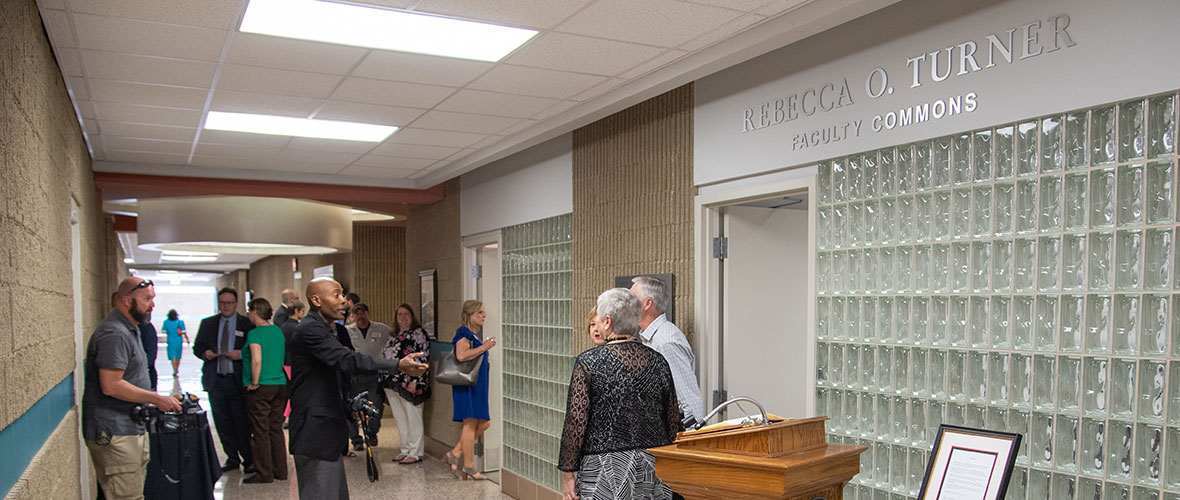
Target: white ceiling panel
(227, 151)
(144, 157)
(535, 82)
(296, 55)
(57, 25)
(220, 14)
(118, 112)
(329, 145)
(70, 62)
(493, 103)
(147, 146)
(77, 85)
(147, 38)
(729, 29)
(464, 122)
(630, 21)
(434, 138)
(392, 4)
(91, 127)
(414, 151)
(269, 104)
(519, 127)
(277, 81)
(392, 162)
(151, 95)
(145, 69)
(492, 139)
(581, 54)
(52, 4)
(776, 7)
(87, 110)
(378, 172)
(296, 166)
(331, 157)
(123, 129)
(417, 68)
(598, 90)
(742, 5)
(243, 139)
(654, 64)
(368, 113)
(535, 14)
(391, 93)
(556, 109)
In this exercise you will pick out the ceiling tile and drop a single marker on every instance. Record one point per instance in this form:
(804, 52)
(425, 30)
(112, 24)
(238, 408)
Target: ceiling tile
(267, 104)
(91, 127)
(391, 162)
(491, 103)
(556, 109)
(70, 62)
(742, 5)
(147, 146)
(119, 112)
(492, 139)
(52, 4)
(535, 82)
(57, 25)
(145, 157)
(123, 129)
(329, 145)
(729, 29)
(227, 151)
(518, 13)
(297, 55)
(329, 157)
(520, 127)
(418, 68)
(221, 14)
(393, 4)
(378, 172)
(632, 21)
(276, 81)
(599, 89)
(777, 7)
(97, 154)
(144, 69)
(654, 64)
(368, 113)
(434, 138)
(581, 54)
(414, 151)
(243, 139)
(150, 95)
(464, 122)
(77, 85)
(147, 38)
(391, 93)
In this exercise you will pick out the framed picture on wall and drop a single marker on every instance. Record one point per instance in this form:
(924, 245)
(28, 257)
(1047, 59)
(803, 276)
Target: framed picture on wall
(428, 284)
(969, 463)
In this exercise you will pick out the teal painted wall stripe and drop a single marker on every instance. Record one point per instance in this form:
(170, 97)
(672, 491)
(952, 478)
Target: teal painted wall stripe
(25, 436)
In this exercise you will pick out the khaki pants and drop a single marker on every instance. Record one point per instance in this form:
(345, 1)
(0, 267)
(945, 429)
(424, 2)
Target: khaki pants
(121, 466)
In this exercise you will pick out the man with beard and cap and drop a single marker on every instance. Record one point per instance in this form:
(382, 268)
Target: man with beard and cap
(318, 413)
(116, 380)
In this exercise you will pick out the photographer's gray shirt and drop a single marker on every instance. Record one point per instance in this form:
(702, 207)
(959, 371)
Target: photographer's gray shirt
(113, 346)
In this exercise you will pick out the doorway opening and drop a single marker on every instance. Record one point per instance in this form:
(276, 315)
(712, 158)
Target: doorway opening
(484, 282)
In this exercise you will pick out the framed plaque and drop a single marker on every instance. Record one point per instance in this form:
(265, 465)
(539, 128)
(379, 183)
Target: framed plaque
(428, 284)
(969, 464)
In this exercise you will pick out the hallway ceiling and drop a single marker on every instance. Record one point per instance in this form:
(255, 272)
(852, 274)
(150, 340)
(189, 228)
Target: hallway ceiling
(143, 75)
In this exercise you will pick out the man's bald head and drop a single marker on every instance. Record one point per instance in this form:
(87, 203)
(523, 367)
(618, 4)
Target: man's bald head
(135, 297)
(289, 295)
(326, 296)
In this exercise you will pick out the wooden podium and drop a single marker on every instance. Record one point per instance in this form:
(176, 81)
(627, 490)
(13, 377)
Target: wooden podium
(786, 460)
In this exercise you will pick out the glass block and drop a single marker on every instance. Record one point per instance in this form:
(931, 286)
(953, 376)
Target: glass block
(1024, 321)
(940, 216)
(1153, 334)
(854, 274)
(918, 368)
(1002, 265)
(1120, 437)
(1172, 464)
(1092, 451)
(1076, 141)
(1052, 144)
(1018, 484)
(1002, 215)
(1157, 264)
(1103, 142)
(1094, 385)
(1132, 192)
(923, 173)
(1044, 323)
(1051, 210)
(1089, 489)
(981, 253)
(870, 184)
(1026, 148)
(885, 319)
(1098, 323)
(1026, 208)
(956, 367)
(1065, 456)
(824, 182)
(901, 320)
(1072, 329)
(1152, 376)
(981, 225)
(957, 325)
(997, 378)
(881, 465)
(1069, 383)
(855, 318)
(851, 366)
(1122, 388)
(1160, 192)
(864, 416)
(897, 472)
(1045, 381)
(868, 370)
(1101, 265)
(1064, 486)
(1020, 422)
(1161, 125)
(1041, 447)
(836, 327)
(1074, 208)
(872, 220)
(905, 219)
(1148, 453)
(1126, 325)
(885, 269)
(940, 157)
(1116, 491)
(923, 207)
(1022, 377)
(1049, 263)
(920, 321)
(855, 178)
(903, 260)
(1073, 262)
(884, 379)
(975, 384)
(1102, 197)
(1132, 144)
(868, 269)
(938, 380)
(976, 415)
(938, 320)
(921, 269)
(901, 370)
(960, 267)
(1024, 271)
(1001, 322)
(918, 423)
(887, 168)
(961, 159)
(855, 224)
(1145, 493)
(917, 470)
(956, 413)
(883, 414)
(1129, 259)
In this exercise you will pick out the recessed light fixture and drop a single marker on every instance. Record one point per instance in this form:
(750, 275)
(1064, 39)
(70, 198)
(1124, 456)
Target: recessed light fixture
(297, 127)
(128, 260)
(382, 29)
(188, 256)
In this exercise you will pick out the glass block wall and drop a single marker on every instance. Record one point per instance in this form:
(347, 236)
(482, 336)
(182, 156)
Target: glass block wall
(536, 343)
(1021, 278)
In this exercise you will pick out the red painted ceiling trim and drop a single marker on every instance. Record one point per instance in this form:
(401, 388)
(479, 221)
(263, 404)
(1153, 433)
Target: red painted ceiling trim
(125, 223)
(118, 186)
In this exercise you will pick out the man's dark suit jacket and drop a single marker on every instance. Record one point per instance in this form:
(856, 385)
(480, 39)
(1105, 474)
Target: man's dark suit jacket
(319, 419)
(207, 340)
(281, 315)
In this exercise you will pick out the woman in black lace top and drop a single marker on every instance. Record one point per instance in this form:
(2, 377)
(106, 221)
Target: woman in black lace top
(621, 402)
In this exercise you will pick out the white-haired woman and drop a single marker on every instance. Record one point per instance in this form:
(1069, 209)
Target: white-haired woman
(628, 389)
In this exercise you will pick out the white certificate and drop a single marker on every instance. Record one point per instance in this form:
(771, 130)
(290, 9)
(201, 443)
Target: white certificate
(968, 474)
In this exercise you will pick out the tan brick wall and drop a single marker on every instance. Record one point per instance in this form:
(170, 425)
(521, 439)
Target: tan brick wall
(633, 199)
(433, 242)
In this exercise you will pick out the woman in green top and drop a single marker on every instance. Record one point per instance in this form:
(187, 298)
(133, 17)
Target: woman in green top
(266, 393)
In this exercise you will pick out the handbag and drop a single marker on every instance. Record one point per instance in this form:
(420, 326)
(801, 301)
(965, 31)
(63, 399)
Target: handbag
(451, 371)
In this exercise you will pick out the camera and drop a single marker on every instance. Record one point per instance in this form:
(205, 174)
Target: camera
(360, 404)
(162, 421)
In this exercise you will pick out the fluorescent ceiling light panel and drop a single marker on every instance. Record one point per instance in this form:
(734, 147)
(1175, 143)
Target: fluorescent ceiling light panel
(297, 127)
(382, 29)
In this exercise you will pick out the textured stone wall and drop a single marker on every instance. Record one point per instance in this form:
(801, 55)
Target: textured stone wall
(268, 276)
(379, 262)
(43, 165)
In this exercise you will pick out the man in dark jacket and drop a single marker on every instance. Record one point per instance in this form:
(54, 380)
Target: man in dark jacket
(318, 413)
(219, 344)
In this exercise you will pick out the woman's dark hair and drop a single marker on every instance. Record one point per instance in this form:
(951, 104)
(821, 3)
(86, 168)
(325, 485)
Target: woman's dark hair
(413, 317)
(261, 307)
(172, 316)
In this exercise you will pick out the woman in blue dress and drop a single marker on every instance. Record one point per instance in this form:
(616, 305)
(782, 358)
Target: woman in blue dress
(174, 327)
(471, 402)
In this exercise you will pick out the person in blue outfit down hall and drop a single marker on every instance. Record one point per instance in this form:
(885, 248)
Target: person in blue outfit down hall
(471, 403)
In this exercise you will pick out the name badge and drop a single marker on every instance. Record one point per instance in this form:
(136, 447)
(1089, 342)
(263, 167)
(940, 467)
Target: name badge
(239, 333)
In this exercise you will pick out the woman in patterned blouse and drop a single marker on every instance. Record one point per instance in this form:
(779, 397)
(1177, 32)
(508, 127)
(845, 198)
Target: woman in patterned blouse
(410, 391)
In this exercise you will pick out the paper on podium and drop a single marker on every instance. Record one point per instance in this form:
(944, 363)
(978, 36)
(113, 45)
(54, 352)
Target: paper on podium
(733, 423)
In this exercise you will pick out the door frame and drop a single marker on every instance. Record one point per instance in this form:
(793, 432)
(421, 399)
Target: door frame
(710, 306)
(471, 245)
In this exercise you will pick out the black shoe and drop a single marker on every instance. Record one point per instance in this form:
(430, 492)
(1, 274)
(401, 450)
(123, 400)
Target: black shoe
(249, 469)
(228, 466)
(358, 446)
(255, 479)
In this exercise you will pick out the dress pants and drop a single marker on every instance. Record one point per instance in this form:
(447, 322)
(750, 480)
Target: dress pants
(321, 479)
(265, 406)
(227, 400)
(409, 424)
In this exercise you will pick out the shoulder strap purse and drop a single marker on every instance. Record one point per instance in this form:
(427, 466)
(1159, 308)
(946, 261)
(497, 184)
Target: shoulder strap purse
(451, 371)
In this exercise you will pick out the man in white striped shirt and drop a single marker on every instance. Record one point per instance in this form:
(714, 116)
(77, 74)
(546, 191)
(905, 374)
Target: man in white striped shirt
(663, 336)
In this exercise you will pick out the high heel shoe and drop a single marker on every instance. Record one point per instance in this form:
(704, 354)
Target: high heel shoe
(455, 465)
(471, 473)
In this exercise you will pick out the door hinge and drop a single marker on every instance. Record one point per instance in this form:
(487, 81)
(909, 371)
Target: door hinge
(477, 271)
(721, 247)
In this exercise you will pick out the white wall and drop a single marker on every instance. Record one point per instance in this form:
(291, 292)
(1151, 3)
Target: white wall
(534, 184)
